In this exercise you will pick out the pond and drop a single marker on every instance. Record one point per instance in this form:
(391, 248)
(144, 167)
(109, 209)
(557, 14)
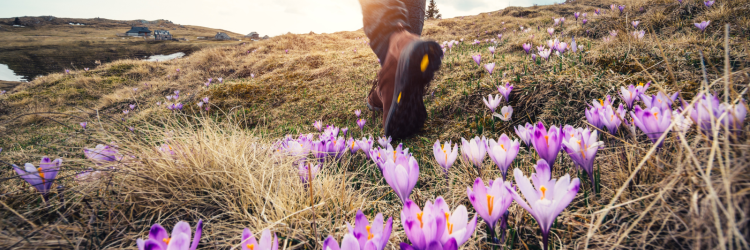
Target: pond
(161, 58)
(7, 74)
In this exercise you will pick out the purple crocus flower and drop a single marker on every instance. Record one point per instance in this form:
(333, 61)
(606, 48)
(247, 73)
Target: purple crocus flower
(132, 106)
(102, 154)
(221, 80)
(425, 228)
(158, 239)
(474, 151)
(382, 155)
(491, 202)
(318, 125)
(126, 111)
(384, 142)
(352, 145)
(593, 116)
(547, 198)
(365, 145)
(319, 150)
(635, 24)
(457, 227)
(735, 117)
(622, 8)
(444, 155)
(86, 69)
(574, 46)
(557, 21)
(84, 124)
(42, 177)
(576, 15)
(562, 47)
(503, 152)
(703, 109)
(659, 100)
(357, 113)
(491, 102)
(547, 143)
(582, 146)
(336, 147)
(492, 50)
(653, 122)
(505, 90)
(702, 25)
(629, 95)
(249, 243)
(551, 31)
(178, 106)
(349, 242)
(562, 20)
(489, 67)
(364, 235)
(506, 113)
(526, 47)
(252, 75)
(709, 3)
(305, 168)
(402, 175)
(361, 123)
(639, 34)
(545, 54)
(533, 57)
(584, 21)
(477, 59)
(525, 132)
(610, 118)
(286, 51)
(597, 12)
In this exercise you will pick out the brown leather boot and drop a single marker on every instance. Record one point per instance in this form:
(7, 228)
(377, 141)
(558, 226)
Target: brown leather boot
(406, 73)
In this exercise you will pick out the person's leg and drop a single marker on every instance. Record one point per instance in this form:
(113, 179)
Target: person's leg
(416, 8)
(380, 19)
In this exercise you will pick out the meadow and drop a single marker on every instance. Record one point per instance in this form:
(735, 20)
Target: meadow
(253, 136)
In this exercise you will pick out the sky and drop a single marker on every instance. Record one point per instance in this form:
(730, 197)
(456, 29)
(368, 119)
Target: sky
(267, 17)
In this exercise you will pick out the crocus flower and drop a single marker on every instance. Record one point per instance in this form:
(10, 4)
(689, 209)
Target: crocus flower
(735, 116)
(547, 143)
(42, 177)
(576, 15)
(126, 111)
(319, 150)
(444, 155)
(402, 176)
(336, 147)
(596, 12)
(708, 3)
(367, 236)
(682, 124)
(178, 106)
(582, 146)
(357, 112)
(526, 47)
(102, 154)
(205, 99)
(611, 118)
(477, 59)
(574, 46)
(474, 151)
(352, 145)
(503, 152)
(505, 90)
(561, 47)
(86, 69)
(305, 168)
(492, 50)
(426, 228)
(639, 34)
(489, 67)
(318, 125)
(613, 33)
(551, 31)
(584, 21)
(252, 75)
(629, 95)
(84, 124)
(365, 145)
(491, 202)
(506, 113)
(382, 155)
(383, 141)
(158, 239)
(593, 116)
(653, 122)
(622, 8)
(456, 225)
(491, 102)
(533, 57)
(635, 24)
(659, 100)
(547, 198)
(249, 243)
(702, 25)
(545, 54)
(557, 21)
(525, 133)
(500, 37)
(361, 123)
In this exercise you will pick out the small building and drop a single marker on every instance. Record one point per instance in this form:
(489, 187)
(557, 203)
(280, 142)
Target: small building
(253, 35)
(222, 36)
(138, 31)
(162, 35)
(265, 37)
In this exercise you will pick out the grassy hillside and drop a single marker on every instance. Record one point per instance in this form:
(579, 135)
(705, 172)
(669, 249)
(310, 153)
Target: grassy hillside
(49, 45)
(692, 193)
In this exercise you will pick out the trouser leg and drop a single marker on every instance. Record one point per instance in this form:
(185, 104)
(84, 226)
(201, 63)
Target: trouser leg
(415, 9)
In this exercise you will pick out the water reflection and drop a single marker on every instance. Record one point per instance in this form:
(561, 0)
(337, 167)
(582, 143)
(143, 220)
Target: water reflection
(6, 74)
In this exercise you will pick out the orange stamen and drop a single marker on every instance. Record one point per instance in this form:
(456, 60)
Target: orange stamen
(419, 217)
(41, 173)
(546, 138)
(448, 224)
(490, 203)
(353, 142)
(369, 234)
(656, 115)
(251, 246)
(601, 102)
(503, 147)
(544, 192)
(166, 240)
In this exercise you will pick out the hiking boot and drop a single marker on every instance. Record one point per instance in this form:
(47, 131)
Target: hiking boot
(407, 71)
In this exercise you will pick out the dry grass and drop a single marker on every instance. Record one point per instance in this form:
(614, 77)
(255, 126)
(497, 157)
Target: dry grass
(690, 194)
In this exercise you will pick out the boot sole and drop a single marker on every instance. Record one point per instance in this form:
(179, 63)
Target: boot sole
(407, 113)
